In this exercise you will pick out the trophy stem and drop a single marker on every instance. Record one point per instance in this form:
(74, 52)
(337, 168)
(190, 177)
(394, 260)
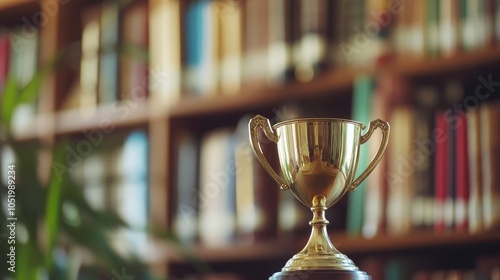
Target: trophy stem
(319, 252)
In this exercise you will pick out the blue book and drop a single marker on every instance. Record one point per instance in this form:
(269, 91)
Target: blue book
(132, 194)
(200, 43)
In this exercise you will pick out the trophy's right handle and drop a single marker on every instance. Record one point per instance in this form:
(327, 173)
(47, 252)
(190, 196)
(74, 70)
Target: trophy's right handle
(262, 122)
(384, 126)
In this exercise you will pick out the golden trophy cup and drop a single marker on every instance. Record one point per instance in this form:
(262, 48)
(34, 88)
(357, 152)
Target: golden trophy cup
(318, 158)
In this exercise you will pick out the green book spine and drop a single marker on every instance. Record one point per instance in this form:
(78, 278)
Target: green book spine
(364, 87)
(432, 34)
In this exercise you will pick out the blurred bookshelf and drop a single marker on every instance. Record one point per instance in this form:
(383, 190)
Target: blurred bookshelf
(180, 79)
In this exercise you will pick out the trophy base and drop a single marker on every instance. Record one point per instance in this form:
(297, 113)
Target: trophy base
(320, 275)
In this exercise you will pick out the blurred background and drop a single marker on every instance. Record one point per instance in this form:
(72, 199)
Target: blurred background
(124, 146)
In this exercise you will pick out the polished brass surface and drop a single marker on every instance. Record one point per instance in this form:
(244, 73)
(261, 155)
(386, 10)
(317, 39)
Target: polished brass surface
(318, 160)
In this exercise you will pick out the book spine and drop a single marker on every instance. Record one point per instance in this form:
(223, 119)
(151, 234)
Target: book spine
(131, 193)
(256, 42)
(432, 35)
(217, 189)
(440, 173)
(279, 58)
(201, 47)
(89, 70)
(231, 47)
(108, 60)
(377, 183)
(133, 66)
(4, 59)
(451, 157)
(497, 20)
(186, 212)
(448, 26)
(364, 86)
(461, 174)
(490, 17)
(422, 212)
(475, 171)
(165, 48)
(417, 33)
(401, 168)
(468, 13)
(490, 151)
(310, 48)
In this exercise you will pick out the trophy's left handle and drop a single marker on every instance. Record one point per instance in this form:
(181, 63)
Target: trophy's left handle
(262, 122)
(384, 126)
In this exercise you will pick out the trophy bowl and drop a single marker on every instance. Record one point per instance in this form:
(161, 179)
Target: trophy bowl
(318, 159)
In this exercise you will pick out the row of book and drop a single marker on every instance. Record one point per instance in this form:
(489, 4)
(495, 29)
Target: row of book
(439, 171)
(442, 28)
(222, 194)
(483, 267)
(114, 63)
(203, 47)
(222, 46)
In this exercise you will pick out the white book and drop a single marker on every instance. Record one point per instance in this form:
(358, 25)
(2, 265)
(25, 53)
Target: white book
(130, 193)
(94, 186)
(165, 49)
(475, 176)
(401, 182)
(217, 188)
(490, 143)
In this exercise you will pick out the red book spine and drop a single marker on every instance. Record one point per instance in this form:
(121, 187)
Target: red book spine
(462, 175)
(440, 177)
(4, 59)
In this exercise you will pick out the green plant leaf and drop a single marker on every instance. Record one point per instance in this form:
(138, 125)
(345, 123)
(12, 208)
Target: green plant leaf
(10, 98)
(26, 261)
(105, 219)
(94, 238)
(53, 206)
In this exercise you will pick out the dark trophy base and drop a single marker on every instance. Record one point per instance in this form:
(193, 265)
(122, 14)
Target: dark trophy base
(320, 275)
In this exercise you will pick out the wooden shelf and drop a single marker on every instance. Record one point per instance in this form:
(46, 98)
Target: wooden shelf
(121, 115)
(331, 83)
(424, 240)
(346, 244)
(6, 5)
(74, 121)
(454, 64)
(12, 11)
(35, 128)
(257, 251)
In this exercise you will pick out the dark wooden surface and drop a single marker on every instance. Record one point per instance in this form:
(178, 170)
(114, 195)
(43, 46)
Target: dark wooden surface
(320, 275)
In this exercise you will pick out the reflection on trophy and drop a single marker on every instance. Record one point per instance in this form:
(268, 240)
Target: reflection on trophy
(318, 159)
